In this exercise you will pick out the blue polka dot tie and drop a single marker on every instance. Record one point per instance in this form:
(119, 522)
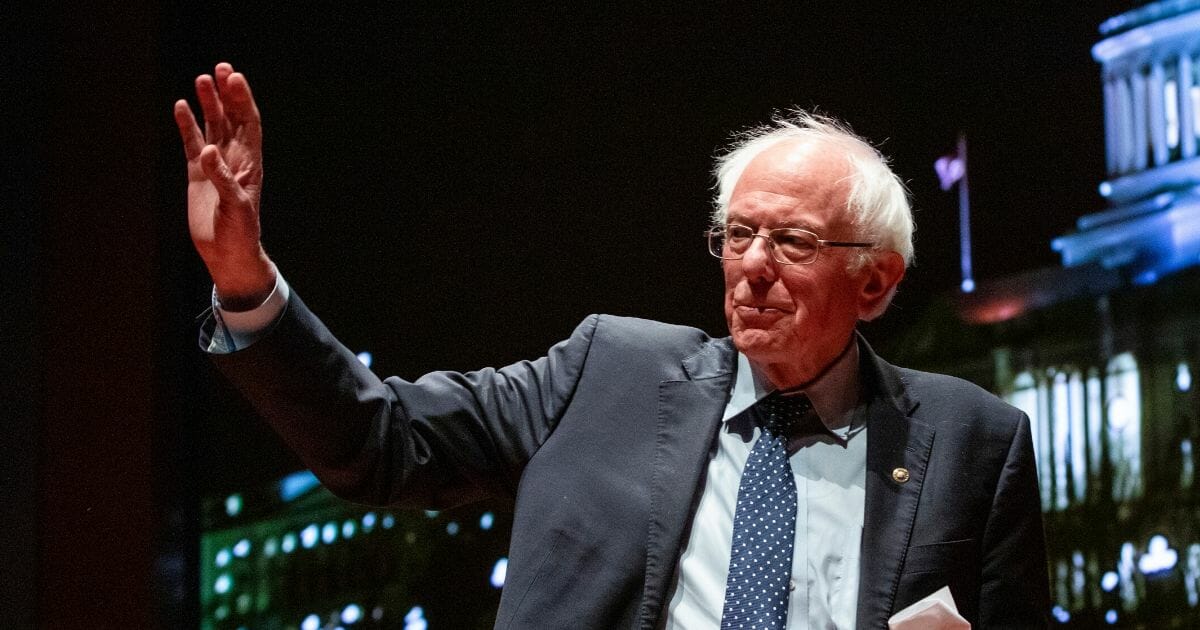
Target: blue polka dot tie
(764, 523)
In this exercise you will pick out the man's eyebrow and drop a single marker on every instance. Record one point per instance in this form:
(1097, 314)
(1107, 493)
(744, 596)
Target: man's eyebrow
(798, 223)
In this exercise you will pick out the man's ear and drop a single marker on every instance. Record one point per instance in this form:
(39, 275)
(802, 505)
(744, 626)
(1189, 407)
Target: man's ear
(883, 273)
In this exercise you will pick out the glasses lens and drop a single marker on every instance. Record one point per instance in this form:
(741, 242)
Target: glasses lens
(716, 242)
(797, 247)
(738, 239)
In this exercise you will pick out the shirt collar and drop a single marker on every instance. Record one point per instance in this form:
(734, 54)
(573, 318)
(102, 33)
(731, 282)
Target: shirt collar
(834, 395)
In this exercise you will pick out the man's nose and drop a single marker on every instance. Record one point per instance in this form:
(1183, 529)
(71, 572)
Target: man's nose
(758, 263)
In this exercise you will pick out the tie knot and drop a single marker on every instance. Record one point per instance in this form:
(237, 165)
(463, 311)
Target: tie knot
(783, 414)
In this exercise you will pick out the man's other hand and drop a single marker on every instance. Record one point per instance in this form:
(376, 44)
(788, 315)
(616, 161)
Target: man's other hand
(224, 167)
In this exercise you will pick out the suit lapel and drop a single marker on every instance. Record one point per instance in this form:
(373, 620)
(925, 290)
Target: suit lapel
(898, 451)
(689, 416)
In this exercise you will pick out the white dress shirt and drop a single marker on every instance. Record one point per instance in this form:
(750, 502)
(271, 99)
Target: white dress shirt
(830, 496)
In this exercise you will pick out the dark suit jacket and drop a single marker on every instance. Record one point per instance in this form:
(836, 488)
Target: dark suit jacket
(604, 442)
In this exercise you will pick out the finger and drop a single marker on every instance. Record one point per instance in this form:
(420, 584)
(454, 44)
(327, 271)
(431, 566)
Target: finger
(210, 105)
(219, 174)
(189, 131)
(240, 107)
(222, 72)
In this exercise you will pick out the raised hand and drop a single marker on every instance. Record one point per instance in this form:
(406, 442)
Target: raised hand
(225, 174)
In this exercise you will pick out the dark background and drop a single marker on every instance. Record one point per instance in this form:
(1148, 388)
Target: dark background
(449, 187)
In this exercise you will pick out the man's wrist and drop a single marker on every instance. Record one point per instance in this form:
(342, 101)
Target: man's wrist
(247, 293)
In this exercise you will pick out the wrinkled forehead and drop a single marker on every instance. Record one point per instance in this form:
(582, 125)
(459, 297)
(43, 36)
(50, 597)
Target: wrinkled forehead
(812, 174)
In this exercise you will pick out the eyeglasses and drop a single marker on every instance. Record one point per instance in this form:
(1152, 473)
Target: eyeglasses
(789, 246)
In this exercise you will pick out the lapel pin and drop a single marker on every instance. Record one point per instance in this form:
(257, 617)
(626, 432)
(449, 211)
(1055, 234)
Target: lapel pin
(900, 475)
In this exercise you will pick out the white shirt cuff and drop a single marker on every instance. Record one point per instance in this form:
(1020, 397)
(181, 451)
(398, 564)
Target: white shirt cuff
(240, 329)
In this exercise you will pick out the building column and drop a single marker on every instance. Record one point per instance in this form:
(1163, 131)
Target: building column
(1112, 126)
(1157, 119)
(1124, 126)
(1137, 89)
(1187, 127)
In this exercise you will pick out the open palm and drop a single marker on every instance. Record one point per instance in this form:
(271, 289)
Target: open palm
(224, 166)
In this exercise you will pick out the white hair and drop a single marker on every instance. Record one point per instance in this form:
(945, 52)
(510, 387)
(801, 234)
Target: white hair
(878, 200)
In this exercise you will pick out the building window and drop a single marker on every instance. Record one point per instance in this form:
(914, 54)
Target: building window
(1095, 422)
(1076, 418)
(1124, 426)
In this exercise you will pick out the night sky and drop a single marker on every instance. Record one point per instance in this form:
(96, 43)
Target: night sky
(457, 187)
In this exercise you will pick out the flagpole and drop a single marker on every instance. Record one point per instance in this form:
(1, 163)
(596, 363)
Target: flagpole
(964, 218)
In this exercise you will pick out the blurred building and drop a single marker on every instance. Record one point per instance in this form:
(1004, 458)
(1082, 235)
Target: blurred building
(290, 555)
(1102, 352)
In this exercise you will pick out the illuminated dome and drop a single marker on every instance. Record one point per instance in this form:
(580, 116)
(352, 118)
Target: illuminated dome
(1150, 60)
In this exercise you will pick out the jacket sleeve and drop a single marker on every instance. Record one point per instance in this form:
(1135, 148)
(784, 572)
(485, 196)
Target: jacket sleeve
(445, 439)
(1015, 589)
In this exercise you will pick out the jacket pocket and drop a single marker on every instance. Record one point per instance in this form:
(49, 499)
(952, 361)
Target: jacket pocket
(947, 557)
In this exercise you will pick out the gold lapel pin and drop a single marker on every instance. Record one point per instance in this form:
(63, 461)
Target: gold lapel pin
(900, 475)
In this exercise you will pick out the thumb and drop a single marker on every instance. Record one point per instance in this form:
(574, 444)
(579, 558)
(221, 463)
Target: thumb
(219, 174)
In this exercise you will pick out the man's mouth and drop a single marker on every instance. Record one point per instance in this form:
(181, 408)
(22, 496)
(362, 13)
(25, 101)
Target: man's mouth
(762, 308)
(760, 315)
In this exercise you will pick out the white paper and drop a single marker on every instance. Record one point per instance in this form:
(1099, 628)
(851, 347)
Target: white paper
(935, 612)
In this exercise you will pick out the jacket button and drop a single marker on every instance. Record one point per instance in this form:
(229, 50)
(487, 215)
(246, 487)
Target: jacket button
(900, 475)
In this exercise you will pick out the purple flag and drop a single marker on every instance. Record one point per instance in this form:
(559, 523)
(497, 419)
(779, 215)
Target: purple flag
(950, 169)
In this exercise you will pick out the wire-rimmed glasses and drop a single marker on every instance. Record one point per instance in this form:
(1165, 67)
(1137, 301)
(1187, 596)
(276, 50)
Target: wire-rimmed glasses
(789, 246)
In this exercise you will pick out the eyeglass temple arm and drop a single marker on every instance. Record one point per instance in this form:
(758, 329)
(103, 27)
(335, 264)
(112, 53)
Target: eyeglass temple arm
(844, 243)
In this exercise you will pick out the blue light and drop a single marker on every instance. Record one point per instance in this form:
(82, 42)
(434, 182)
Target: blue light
(365, 358)
(311, 622)
(270, 546)
(431, 513)
(1060, 614)
(348, 529)
(368, 522)
(296, 484)
(1105, 189)
(1159, 557)
(499, 572)
(308, 537)
(329, 532)
(289, 543)
(1109, 581)
(1183, 377)
(1110, 617)
(223, 584)
(351, 613)
(452, 528)
(388, 521)
(968, 285)
(414, 619)
(233, 504)
(242, 548)
(1146, 277)
(486, 521)
(222, 558)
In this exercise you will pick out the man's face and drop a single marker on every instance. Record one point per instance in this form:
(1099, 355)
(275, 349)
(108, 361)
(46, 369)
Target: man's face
(792, 320)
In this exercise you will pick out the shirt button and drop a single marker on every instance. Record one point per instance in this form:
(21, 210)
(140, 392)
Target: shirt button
(791, 585)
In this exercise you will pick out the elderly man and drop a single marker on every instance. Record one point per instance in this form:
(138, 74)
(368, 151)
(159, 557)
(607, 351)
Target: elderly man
(786, 477)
